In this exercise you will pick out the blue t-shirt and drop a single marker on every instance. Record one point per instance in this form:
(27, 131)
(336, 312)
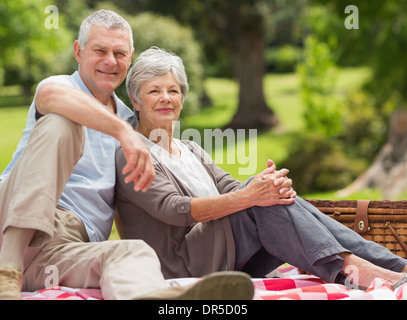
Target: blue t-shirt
(89, 192)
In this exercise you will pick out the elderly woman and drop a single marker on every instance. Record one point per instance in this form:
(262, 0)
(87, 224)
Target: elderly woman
(200, 220)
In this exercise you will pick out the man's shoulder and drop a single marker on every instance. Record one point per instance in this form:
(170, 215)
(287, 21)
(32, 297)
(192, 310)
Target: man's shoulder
(62, 79)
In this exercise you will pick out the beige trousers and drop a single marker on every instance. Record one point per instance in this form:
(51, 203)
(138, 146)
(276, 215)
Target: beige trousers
(60, 252)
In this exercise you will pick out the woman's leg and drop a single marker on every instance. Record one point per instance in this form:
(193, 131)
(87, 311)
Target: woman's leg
(302, 236)
(368, 250)
(297, 242)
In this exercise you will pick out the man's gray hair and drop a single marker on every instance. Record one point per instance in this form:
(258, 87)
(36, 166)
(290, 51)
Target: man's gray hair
(152, 63)
(106, 18)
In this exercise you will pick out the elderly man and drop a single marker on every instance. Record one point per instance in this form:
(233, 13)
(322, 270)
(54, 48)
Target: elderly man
(56, 195)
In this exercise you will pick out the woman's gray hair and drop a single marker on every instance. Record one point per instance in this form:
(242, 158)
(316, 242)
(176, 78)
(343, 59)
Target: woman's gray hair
(152, 63)
(106, 18)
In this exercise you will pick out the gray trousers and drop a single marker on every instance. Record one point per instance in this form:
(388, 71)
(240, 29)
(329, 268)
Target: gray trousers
(299, 234)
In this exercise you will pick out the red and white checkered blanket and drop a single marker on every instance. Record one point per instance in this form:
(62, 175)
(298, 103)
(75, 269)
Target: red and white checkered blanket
(293, 286)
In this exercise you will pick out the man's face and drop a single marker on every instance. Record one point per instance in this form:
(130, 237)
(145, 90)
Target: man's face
(105, 60)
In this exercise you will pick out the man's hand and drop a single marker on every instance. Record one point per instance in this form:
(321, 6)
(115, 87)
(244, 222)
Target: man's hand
(139, 167)
(85, 110)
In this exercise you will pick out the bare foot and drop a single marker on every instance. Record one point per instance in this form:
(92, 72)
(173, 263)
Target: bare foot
(361, 273)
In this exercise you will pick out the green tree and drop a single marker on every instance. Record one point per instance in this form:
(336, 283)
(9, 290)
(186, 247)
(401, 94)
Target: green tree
(239, 25)
(241, 29)
(333, 122)
(319, 144)
(33, 45)
(317, 73)
(380, 42)
(235, 34)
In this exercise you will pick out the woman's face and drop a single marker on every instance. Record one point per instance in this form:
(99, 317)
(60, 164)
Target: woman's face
(161, 101)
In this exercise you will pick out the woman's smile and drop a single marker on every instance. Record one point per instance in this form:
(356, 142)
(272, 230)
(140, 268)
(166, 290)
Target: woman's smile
(165, 110)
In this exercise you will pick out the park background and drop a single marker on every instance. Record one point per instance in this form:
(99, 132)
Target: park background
(324, 82)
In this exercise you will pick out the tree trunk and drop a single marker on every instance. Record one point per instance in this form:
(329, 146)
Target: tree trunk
(388, 173)
(247, 52)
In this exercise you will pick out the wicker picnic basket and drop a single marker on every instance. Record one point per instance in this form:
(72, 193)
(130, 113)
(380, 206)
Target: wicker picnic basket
(384, 222)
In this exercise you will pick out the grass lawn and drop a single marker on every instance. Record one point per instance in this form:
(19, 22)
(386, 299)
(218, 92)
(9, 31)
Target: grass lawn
(282, 94)
(13, 113)
(12, 121)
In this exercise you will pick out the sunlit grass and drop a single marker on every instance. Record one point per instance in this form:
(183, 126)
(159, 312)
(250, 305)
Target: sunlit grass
(12, 122)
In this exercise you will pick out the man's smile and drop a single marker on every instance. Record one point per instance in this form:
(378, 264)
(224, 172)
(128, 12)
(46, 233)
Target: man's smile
(107, 73)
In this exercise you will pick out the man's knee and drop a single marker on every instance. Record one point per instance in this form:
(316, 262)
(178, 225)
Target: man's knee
(133, 248)
(61, 126)
(63, 132)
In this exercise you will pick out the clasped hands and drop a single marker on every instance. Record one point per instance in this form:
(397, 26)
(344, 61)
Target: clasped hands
(271, 187)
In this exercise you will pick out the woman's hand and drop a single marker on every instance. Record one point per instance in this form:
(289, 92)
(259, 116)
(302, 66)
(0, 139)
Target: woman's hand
(268, 188)
(271, 187)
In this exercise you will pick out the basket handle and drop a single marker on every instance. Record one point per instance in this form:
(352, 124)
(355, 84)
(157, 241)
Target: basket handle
(361, 225)
(399, 240)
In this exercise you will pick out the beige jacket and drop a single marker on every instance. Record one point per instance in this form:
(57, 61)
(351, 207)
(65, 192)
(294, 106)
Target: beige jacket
(161, 217)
